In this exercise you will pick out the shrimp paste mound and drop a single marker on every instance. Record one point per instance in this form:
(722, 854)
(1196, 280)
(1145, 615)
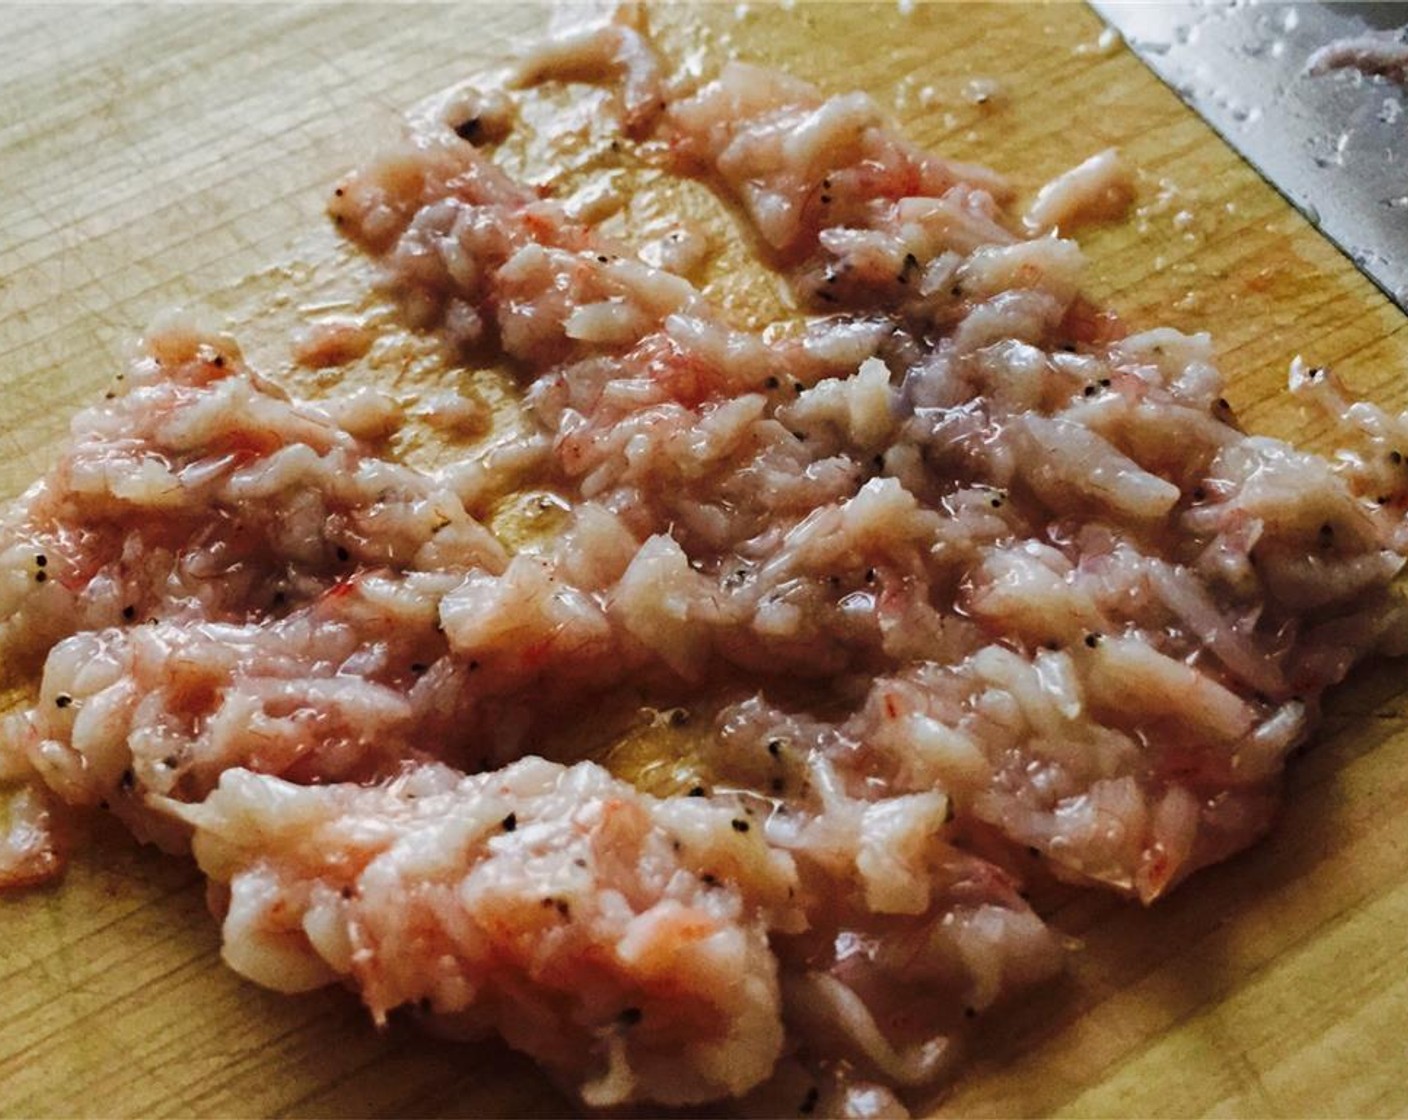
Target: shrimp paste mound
(958, 586)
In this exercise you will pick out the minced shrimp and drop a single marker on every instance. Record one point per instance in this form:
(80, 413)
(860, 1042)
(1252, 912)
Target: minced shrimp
(968, 581)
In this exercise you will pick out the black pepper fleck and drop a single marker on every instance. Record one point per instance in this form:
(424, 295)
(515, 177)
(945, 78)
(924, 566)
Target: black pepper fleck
(740, 826)
(697, 791)
(510, 822)
(63, 700)
(129, 613)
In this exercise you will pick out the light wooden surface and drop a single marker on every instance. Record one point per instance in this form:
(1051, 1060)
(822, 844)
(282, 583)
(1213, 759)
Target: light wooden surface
(159, 156)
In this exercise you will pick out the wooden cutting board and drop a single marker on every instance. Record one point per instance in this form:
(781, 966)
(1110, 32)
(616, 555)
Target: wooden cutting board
(160, 156)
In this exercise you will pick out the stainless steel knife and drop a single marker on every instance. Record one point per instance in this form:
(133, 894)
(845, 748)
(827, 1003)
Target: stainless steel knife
(1336, 144)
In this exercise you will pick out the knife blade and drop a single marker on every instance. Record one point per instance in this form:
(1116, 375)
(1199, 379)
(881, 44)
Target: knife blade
(1335, 145)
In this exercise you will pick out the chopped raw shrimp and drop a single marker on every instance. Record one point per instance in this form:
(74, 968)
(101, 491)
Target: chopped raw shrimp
(332, 342)
(1101, 188)
(969, 576)
(30, 849)
(611, 50)
(620, 940)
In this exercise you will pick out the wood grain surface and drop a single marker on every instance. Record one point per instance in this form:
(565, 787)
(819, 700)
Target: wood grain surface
(159, 156)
